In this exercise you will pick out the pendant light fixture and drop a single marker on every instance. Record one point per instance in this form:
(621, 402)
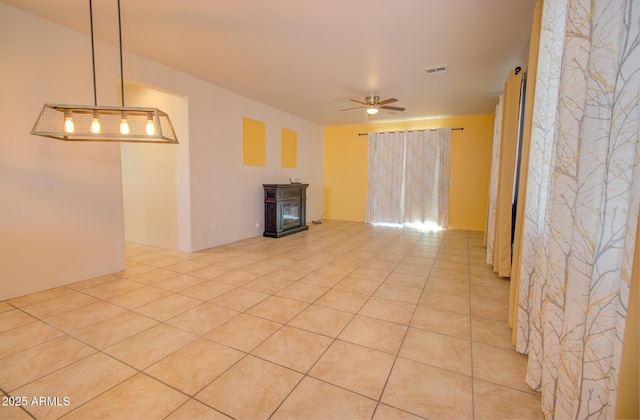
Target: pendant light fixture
(104, 123)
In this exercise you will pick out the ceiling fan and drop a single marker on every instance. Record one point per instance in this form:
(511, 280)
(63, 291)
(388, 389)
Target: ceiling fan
(373, 104)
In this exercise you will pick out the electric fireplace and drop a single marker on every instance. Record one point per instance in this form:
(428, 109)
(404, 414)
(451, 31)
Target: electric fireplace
(284, 209)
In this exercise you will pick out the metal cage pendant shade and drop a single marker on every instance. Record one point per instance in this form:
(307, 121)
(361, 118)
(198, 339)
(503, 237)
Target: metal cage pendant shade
(104, 123)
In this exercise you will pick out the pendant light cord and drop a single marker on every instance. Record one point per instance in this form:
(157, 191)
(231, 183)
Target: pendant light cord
(121, 67)
(93, 55)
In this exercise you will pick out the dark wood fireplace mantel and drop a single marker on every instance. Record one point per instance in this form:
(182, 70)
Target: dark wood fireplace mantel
(285, 209)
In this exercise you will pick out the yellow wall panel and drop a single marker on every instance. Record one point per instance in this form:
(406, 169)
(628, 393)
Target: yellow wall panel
(345, 168)
(288, 148)
(254, 142)
(345, 172)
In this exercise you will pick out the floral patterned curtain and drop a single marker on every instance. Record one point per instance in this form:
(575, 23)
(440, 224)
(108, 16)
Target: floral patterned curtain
(582, 203)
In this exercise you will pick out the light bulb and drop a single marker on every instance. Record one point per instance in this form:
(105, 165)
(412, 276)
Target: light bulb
(372, 111)
(96, 128)
(150, 129)
(69, 126)
(124, 126)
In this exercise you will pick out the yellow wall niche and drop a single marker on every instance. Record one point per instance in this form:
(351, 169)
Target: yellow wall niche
(345, 168)
(288, 148)
(254, 142)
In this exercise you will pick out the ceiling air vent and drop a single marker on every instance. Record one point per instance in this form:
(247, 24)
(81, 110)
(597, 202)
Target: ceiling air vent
(436, 69)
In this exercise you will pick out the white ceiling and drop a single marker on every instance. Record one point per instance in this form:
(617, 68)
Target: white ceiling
(310, 57)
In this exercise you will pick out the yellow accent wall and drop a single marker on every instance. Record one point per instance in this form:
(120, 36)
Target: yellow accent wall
(345, 168)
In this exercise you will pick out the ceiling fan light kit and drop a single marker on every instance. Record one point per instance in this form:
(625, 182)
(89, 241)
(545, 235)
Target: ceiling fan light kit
(373, 104)
(104, 123)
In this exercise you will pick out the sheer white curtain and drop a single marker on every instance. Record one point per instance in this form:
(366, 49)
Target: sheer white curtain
(490, 229)
(409, 178)
(385, 178)
(582, 203)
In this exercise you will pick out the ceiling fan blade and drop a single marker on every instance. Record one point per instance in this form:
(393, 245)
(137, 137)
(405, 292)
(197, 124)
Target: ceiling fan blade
(393, 108)
(349, 109)
(360, 102)
(387, 101)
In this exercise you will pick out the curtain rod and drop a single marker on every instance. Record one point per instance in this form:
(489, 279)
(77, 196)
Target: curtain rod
(431, 129)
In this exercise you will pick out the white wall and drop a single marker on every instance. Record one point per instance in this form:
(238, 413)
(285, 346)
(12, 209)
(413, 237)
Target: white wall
(227, 196)
(156, 192)
(61, 203)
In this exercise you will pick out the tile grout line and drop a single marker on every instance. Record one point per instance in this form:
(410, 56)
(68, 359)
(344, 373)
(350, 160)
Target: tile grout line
(473, 403)
(397, 355)
(334, 339)
(269, 361)
(102, 351)
(353, 246)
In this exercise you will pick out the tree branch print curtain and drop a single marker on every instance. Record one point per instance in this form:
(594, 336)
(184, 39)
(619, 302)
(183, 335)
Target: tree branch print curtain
(582, 203)
(408, 178)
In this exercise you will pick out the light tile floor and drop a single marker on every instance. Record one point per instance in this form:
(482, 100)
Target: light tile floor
(342, 321)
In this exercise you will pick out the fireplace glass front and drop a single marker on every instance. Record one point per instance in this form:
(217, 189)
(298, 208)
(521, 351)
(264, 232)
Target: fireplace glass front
(290, 215)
